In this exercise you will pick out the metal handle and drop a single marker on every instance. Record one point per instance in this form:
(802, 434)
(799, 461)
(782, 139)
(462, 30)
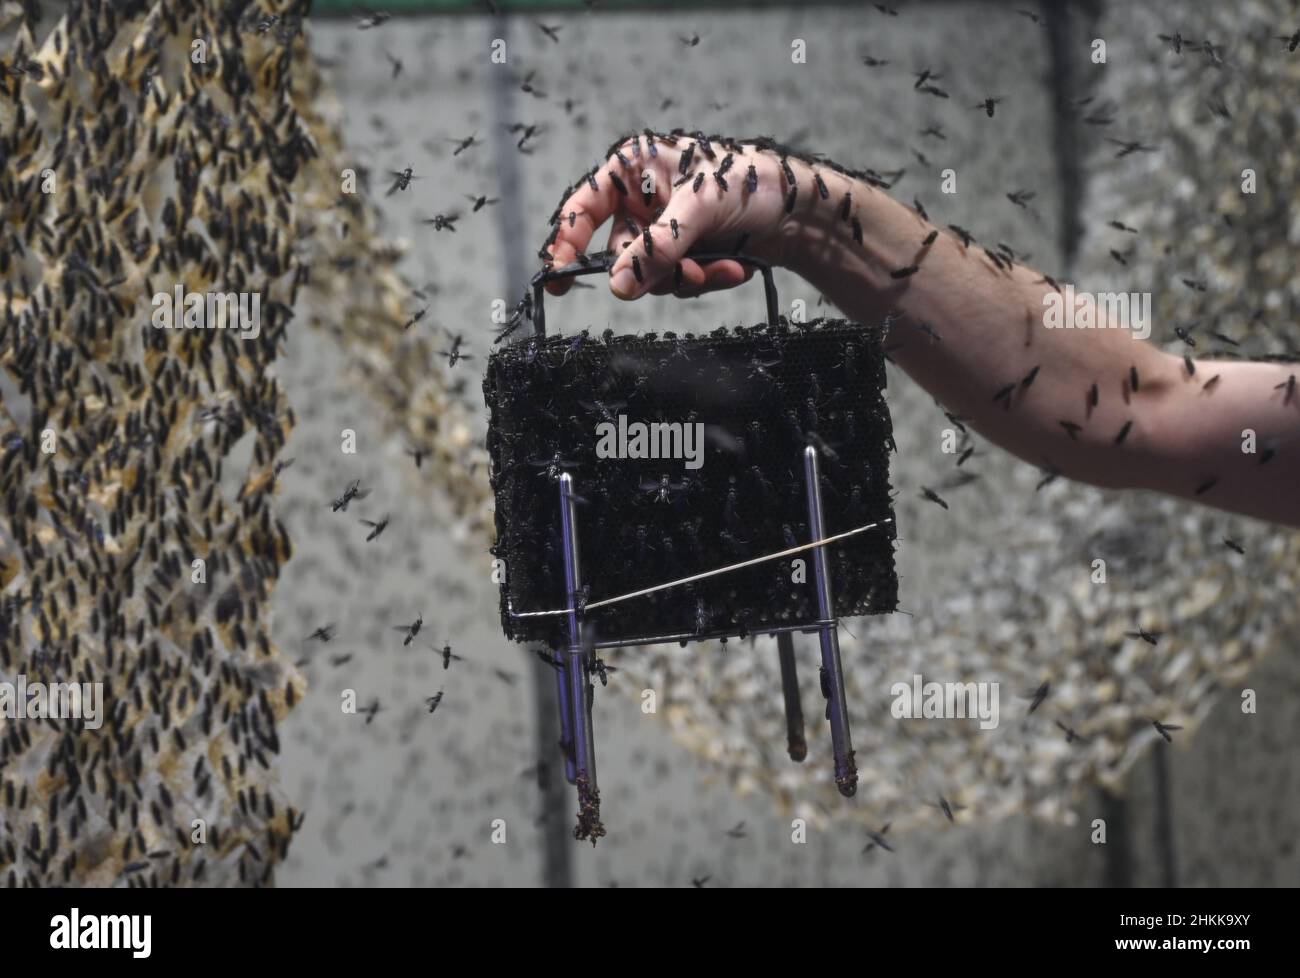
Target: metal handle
(603, 261)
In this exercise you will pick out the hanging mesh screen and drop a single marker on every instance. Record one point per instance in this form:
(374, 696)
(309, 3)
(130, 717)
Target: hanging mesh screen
(729, 416)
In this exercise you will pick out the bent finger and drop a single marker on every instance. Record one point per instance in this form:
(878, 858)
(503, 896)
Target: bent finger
(661, 246)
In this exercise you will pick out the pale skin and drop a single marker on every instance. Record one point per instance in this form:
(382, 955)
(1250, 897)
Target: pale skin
(1185, 438)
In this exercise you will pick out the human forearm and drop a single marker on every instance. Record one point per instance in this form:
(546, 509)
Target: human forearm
(984, 332)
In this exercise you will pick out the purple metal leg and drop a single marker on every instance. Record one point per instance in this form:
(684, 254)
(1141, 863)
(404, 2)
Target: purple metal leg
(846, 772)
(566, 721)
(795, 741)
(568, 745)
(568, 740)
(578, 676)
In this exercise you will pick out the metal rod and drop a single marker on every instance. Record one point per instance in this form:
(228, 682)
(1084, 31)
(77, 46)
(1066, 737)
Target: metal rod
(603, 261)
(566, 721)
(846, 772)
(568, 745)
(576, 665)
(795, 741)
(620, 643)
(557, 843)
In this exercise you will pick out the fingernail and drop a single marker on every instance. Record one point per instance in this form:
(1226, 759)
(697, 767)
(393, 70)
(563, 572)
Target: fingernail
(623, 283)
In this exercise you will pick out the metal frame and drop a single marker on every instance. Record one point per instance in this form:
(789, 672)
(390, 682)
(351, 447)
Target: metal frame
(603, 261)
(573, 673)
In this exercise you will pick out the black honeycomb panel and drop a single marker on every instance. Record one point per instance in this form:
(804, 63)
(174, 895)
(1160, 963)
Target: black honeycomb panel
(763, 394)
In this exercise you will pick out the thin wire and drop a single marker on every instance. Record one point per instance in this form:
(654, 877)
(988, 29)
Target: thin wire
(699, 577)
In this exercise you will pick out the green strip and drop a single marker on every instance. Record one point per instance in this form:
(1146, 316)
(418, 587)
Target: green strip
(507, 6)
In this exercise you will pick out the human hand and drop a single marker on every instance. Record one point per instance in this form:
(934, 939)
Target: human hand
(661, 209)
